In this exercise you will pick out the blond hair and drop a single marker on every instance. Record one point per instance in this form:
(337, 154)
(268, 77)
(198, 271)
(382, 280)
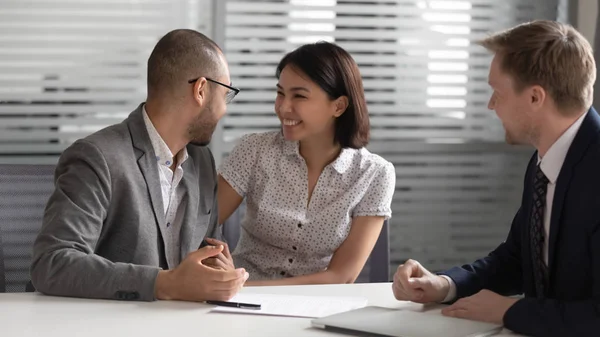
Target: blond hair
(552, 55)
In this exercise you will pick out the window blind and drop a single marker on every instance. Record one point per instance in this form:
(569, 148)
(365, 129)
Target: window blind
(71, 67)
(425, 78)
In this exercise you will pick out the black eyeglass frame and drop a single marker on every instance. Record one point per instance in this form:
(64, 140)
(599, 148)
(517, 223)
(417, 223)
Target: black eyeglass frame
(233, 91)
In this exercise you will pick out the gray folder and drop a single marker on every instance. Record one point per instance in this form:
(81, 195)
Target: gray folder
(377, 321)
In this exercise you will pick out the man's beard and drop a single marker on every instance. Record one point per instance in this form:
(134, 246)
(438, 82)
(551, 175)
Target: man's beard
(202, 128)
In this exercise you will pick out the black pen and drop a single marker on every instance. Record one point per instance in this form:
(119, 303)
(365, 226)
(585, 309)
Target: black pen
(235, 305)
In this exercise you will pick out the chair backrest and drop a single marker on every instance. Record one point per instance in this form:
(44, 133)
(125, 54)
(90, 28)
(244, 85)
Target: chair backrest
(2, 277)
(231, 227)
(379, 261)
(24, 192)
(378, 265)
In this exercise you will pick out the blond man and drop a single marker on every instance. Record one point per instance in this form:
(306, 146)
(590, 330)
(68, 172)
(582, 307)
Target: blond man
(542, 76)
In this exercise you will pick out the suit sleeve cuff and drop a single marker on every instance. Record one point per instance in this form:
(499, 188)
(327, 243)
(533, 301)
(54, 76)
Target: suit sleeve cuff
(513, 317)
(137, 283)
(451, 296)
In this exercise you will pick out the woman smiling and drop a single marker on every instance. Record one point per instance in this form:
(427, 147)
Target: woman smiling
(316, 198)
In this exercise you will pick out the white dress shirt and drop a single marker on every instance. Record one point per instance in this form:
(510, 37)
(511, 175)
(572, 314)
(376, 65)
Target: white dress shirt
(551, 165)
(172, 192)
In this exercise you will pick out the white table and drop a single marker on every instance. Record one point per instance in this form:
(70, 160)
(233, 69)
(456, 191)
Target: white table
(32, 314)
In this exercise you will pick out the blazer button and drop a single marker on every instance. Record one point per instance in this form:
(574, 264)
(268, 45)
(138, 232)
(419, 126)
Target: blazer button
(299, 225)
(282, 273)
(291, 260)
(127, 295)
(294, 248)
(120, 295)
(132, 296)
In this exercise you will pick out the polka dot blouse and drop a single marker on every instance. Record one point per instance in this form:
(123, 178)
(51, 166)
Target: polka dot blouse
(280, 235)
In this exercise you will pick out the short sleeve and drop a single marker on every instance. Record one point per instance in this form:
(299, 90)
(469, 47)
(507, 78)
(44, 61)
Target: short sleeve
(377, 201)
(237, 168)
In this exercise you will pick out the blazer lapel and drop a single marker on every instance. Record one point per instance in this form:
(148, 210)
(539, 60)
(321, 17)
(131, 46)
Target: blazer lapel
(190, 182)
(147, 162)
(588, 130)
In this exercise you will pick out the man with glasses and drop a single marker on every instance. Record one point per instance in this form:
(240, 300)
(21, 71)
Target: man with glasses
(134, 202)
(231, 93)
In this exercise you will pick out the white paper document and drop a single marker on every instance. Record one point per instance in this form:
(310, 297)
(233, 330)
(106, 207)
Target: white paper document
(294, 305)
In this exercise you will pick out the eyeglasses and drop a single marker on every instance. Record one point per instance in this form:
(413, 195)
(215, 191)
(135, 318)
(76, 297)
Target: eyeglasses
(233, 91)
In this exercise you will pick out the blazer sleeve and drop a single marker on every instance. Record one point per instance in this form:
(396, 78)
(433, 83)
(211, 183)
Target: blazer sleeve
(214, 230)
(501, 271)
(64, 261)
(553, 318)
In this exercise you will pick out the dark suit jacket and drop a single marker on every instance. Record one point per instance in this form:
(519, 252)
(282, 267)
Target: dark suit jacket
(101, 235)
(572, 306)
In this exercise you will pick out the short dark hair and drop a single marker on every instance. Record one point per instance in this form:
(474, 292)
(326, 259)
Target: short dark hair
(179, 56)
(335, 72)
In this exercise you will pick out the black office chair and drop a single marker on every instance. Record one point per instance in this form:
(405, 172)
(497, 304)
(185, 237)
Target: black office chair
(24, 192)
(2, 277)
(379, 261)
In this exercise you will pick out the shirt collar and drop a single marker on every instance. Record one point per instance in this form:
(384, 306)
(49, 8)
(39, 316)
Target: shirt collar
(340, 164)
(553, 160)
(161, 150)
(343, 162)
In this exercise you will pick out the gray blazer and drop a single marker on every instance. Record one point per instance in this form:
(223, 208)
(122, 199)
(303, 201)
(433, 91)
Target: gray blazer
(101, 235)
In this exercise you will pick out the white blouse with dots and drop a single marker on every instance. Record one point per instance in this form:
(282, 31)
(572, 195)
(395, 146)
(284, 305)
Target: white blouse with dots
(280, 235)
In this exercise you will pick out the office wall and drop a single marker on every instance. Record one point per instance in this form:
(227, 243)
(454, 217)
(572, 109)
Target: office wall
(586, 18)
(68, 68)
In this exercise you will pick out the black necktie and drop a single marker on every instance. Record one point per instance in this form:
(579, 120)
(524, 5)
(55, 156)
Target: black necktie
(536, 232)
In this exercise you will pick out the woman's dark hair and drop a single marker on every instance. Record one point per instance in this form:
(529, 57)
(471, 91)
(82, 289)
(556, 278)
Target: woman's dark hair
(334, 70)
